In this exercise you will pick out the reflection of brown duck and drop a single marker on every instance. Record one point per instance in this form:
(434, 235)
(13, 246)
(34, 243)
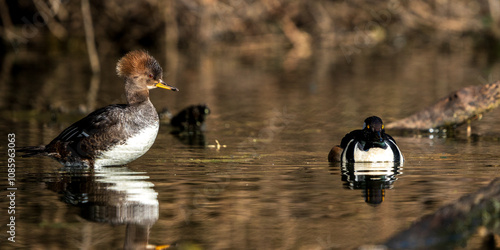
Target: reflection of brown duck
(457, 108)
(115, 196)
(116, 134)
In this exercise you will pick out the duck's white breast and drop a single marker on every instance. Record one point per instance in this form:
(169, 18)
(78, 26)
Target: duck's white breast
(133, 148)
(373, 154)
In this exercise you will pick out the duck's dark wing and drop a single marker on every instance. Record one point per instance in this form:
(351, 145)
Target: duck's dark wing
(398, 156)
(68, 145)
(96, 121)
(390, 138)
(356, 134)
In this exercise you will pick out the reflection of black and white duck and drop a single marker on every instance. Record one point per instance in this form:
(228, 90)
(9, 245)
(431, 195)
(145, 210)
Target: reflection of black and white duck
(116, 134)
(370, 144)
(371, 177)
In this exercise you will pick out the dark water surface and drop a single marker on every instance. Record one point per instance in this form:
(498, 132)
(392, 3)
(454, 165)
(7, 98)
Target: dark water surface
(262, 180)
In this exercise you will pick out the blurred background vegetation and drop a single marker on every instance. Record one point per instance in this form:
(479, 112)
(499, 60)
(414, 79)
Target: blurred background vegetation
(60, 40)
(299, 27)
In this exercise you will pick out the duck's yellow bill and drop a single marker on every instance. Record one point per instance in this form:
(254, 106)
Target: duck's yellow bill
(163, 85)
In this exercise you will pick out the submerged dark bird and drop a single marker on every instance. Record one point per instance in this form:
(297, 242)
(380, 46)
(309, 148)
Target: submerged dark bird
(116, 134)
(190, 119)
(189, 124)
(370, 144)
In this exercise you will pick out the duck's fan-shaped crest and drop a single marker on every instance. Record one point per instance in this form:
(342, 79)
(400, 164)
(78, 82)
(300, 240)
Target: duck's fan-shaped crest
(138, 62)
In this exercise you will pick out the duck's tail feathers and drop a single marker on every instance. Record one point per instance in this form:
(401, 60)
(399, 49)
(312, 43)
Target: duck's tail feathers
(31, 151)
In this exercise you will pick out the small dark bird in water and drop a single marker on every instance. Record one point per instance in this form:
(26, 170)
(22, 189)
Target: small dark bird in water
(370, 144)
(116, 134)
(190, 119)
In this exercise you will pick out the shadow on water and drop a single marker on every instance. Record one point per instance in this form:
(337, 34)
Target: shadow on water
(373, 178)
(111, 195)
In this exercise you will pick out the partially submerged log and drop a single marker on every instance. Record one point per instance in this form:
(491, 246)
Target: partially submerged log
(454, 224)
(458, 108)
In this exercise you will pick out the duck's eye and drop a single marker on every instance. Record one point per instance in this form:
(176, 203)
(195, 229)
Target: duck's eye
(150, 76)
(367, 126)
(382, 126)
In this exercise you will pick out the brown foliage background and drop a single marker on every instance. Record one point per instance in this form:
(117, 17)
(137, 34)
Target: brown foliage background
(298, 25)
